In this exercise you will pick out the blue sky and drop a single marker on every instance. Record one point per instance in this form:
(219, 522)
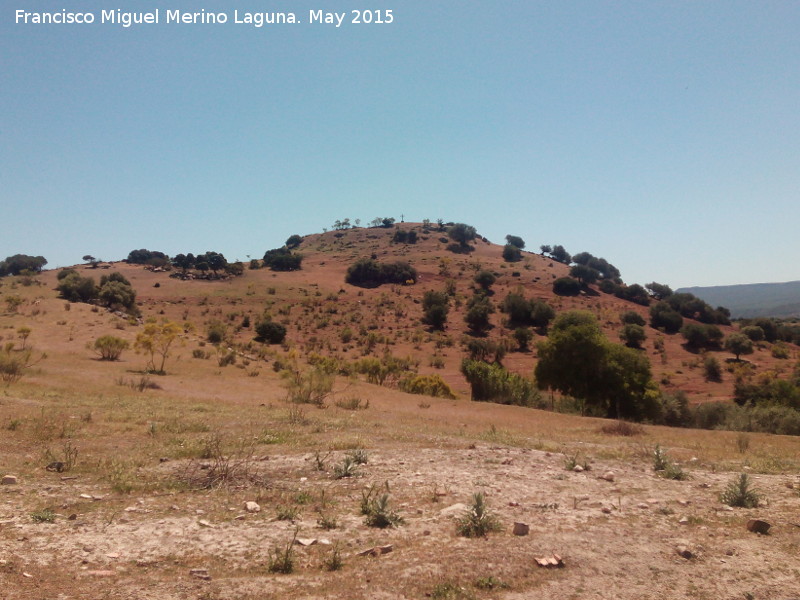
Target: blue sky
(663, 136)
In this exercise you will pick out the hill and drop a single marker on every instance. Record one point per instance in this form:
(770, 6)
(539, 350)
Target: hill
(780, 300)
(132, 484)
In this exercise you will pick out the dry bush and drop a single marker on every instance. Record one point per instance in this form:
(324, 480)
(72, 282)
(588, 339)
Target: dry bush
(623, 428)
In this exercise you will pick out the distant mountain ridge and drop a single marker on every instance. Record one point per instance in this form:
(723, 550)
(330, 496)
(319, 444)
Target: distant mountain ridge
(754, 299)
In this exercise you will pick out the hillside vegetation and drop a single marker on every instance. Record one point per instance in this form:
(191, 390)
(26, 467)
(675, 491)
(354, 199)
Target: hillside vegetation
(403, 387)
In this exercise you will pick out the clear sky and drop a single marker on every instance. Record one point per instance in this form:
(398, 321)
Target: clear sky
(663, 136)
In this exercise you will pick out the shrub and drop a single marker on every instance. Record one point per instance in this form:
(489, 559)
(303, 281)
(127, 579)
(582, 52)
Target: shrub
(462, 234)
(402, 236)
(663, 316)
(14, 363)
(435, 306)
(511, 253)
(699, 336)
(75, 288)
(147, 257)
(521, 311)
(478, 521)
(427, 385)
(740, 493)
(566, 286)
(523, 337)
(282, 259)
(478, 310)
(110, 347)
(367, 272)
(712, 370)
(492, 383)
(754, 332)
(515, 241)
(631, 317)
(215, 333)
(117, 294)
(780, 350)
(270, 332)
(309, 387)
(633, 335)
(485, 279)
(294, 241)
(633, 293)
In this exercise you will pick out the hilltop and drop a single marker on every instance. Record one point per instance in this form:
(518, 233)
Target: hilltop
(149, 474)
(754, 300)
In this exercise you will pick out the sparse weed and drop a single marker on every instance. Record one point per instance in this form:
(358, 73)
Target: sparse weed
(281, 560)
(660, 458)
(347, 468)
(380, 515)
(490, 583)
(43, 516)
(353, 403)
(359, 456)
(742, 443)
(740, 493)
(327, 522)
(478, 521)
(287, 513)
(334, 562)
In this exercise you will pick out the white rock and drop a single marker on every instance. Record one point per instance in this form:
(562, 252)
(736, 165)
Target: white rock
(608, 476)
(9, 480)
(252, 507)
(455, 509)
(577, 469)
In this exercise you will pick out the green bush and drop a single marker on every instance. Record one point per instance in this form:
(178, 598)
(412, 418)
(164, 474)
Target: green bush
(478, 310)
(633, 335)
(367, 272)
(427, 385)
(511, 253)
(75, 288)
(435, 306)
(566, 286)
(492, 383)
(740, 493)
(663, 316)
(110, 347)
(283, 259)
(700, 336)
(270, 332)
(631, 317)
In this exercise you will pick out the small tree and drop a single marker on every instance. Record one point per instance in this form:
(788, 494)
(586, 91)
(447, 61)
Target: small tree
(516, 241)
(584, 274)
(14, 363)
(91, 260)
(156, 341)
(110, 347)
(462, 234)
(560, 254)
(294, 241)
(739, 344)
